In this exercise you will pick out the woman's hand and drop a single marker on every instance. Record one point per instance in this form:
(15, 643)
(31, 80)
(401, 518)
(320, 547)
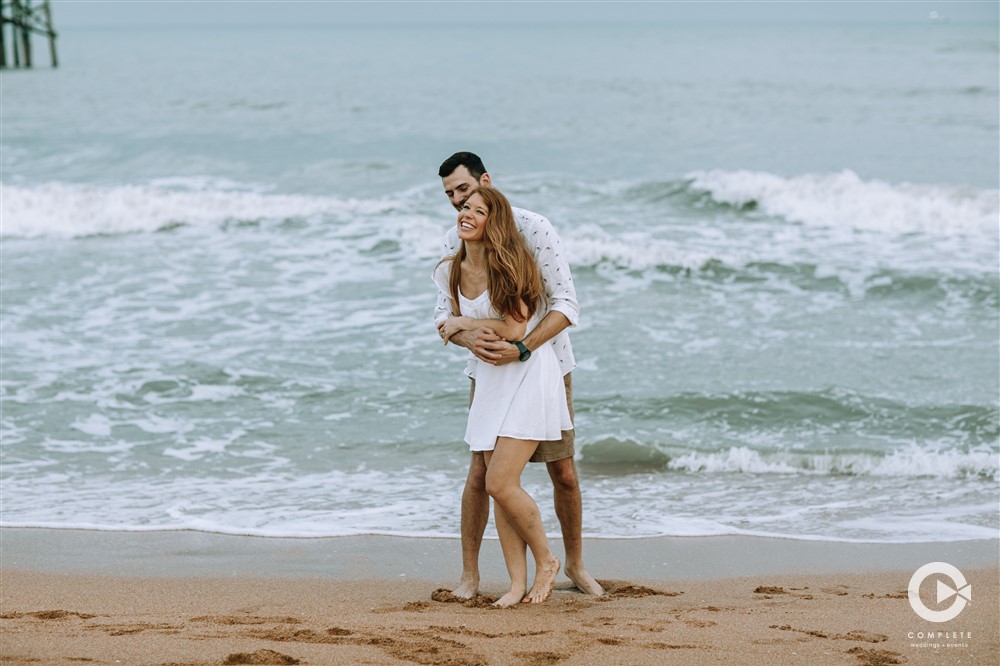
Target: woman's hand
(453, 325)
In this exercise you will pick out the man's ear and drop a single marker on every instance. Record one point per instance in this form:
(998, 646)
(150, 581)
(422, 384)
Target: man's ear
(485, 179)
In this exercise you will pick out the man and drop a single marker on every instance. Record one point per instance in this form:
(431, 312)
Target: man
(461, 174)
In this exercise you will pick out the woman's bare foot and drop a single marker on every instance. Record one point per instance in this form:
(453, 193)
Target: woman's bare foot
(510, 599)
(545, 579)
(584, 581)
(467, 588)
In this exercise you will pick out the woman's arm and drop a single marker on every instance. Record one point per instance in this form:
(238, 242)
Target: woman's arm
(508, 329)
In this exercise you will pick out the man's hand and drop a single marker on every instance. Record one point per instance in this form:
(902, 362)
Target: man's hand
(463, 339)
(483, 342)
(491, 348)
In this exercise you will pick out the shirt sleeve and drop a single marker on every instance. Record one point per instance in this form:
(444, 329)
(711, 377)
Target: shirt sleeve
(442, 309)
(442, 277)
(547, 247)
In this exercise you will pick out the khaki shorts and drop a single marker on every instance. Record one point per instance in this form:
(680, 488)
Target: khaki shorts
(556, 449)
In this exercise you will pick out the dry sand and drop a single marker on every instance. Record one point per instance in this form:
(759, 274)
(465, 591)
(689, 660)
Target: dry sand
(57, 617)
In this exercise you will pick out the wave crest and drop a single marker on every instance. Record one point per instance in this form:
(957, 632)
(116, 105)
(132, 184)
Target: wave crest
(68, 210)
(845, 200)
(913, 461)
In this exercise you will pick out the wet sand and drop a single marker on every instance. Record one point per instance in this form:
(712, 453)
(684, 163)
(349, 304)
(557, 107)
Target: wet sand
(70, 597)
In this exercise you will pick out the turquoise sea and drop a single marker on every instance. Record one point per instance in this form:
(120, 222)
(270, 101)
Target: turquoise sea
(217, 247)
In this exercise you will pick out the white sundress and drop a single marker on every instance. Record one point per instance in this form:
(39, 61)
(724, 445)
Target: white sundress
(522, 400)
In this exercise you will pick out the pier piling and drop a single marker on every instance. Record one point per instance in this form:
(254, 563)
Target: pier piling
(25, 20)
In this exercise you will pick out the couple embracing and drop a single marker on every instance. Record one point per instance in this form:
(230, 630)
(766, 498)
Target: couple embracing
(505, 293)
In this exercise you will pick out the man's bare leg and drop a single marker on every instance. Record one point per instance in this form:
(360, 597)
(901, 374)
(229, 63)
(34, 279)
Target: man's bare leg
(569, 509)
(475, 514)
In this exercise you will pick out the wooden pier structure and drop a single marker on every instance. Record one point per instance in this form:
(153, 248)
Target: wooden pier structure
(25, 19)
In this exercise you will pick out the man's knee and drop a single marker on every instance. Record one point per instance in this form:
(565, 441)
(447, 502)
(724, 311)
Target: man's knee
(476, 481)
(563, 474)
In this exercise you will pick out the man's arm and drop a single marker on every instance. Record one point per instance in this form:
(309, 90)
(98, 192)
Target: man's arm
(550, 326)
(546, 245)
(492, 348)
(442, 309)
(564, 309)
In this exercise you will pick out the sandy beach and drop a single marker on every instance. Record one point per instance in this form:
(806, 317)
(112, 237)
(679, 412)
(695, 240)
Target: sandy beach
(230, 432)
(71, 597)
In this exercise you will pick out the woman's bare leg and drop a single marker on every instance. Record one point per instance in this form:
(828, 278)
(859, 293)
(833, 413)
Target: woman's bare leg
(513, 547)
(503, 483)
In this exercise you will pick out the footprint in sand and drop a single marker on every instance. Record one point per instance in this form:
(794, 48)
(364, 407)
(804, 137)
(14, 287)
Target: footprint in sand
(444, 596)
(260, 657)
(865, 636)
(465, 631)
(897, 595)
(46, 615)
(671, 646)
(135, 628)
(808, 632)
(540, 658)
(245, 619)
(871, 657)
(427, 648)
(287, 635)
(656, 627)
(854, 635)
(620, 589)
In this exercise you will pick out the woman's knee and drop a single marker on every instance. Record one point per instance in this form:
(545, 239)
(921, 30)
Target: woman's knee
(498, 486)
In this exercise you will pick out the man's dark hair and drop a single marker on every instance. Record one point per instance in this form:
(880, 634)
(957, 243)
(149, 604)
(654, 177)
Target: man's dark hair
(470, 161)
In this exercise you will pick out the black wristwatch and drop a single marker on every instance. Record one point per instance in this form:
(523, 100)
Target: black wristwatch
(525, 352)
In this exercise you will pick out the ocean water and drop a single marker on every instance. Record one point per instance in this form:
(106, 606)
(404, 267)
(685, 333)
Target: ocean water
(217, 247)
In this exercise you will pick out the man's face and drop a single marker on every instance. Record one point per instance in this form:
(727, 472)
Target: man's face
(460, 184)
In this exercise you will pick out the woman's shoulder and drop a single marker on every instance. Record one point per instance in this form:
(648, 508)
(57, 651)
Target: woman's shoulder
(442, 274)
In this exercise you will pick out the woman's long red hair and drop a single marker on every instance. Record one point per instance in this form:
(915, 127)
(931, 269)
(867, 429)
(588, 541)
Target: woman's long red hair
(512, 274)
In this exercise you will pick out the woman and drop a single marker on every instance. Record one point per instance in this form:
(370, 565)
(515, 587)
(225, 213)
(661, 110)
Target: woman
(494, 282)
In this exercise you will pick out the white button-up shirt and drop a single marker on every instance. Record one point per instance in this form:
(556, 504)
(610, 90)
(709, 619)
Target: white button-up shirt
(545, 244)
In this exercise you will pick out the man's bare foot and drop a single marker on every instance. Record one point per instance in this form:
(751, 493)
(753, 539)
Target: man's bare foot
(467, 589)
(545, 579)
(510, 599)
(584, 581)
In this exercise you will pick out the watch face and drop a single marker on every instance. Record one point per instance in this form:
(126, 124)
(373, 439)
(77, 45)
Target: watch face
(525, 355)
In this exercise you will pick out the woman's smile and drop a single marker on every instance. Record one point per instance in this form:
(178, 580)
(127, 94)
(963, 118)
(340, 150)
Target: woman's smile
(472, 218)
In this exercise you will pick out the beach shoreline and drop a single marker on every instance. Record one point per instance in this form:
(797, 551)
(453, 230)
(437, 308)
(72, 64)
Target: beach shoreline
(70, 596)
(366, 557)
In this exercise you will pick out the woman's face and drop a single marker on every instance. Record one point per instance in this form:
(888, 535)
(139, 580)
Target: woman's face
(472, 218)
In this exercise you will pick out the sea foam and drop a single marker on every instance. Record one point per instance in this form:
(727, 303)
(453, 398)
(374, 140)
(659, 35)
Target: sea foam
(72, 210)
(845, 200)
(912, 461)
